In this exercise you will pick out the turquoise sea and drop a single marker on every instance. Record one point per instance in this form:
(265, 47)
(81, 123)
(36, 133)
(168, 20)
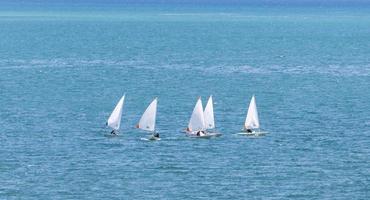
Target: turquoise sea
(63, 69)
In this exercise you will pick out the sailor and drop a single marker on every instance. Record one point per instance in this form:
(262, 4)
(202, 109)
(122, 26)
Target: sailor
(198, 133)
(156, 135)
(248, 130)
(113, 132)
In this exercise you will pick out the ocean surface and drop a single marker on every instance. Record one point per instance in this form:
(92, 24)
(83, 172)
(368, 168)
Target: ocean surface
(63, 69)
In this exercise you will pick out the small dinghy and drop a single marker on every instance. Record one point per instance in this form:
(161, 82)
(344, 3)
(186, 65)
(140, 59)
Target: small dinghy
(196, 127)
(147, 121)
(114, 120)
(252, 124)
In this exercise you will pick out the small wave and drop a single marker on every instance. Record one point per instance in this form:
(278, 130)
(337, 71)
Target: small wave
(329, 70)
(64, 63)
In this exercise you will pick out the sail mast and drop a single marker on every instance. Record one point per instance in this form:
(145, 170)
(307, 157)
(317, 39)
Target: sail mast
(148, 119)
(114, 120)
(252, 121)
(196, 122)
(209, 115)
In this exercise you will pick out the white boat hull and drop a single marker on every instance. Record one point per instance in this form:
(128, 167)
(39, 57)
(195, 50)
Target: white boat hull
(253, 133)
(151, 139)
(206, 135)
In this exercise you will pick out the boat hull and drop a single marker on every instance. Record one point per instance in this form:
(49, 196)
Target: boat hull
(151, 139)
(205, 136)
(253, 133)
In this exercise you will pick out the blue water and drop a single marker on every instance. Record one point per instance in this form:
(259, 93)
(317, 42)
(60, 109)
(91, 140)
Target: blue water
(63, 70)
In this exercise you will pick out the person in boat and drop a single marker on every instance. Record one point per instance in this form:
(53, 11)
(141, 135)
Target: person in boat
(113, 132)
(156, 135)
(201, 133)
(248, 130)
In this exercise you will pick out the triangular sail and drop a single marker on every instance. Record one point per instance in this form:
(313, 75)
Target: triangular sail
(147, 121)
(252, 121)
(209, 118)
(114, 120)
(196, 122)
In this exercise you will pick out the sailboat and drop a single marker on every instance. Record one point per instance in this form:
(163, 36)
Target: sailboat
(147, 120)
(197, 126)
(252, 123)
(114, 120)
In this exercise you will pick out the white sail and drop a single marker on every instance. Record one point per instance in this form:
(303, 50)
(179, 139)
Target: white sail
(252, 121)
(196, 122)
(209, 118)
(114, 120)
(147, 121)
